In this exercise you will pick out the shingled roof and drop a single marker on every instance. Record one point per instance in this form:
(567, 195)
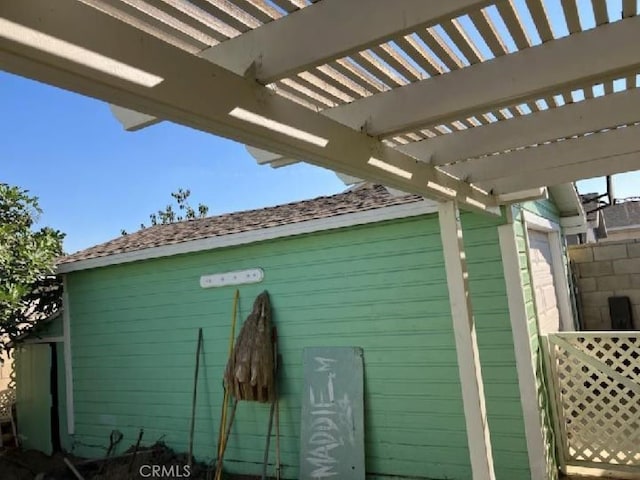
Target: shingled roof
(620, 215)
(359, 199)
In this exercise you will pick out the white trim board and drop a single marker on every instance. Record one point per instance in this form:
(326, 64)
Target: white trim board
(68, 370)
(310, 226)
(473, 399)
(523, 353)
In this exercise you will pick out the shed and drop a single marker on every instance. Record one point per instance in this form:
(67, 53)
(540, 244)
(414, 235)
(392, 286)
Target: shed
(41, 406)
(449, 331)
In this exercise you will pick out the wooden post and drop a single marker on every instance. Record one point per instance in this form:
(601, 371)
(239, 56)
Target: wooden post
(475, 411)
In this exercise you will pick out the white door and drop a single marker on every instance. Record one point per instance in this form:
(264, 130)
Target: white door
(543, 282)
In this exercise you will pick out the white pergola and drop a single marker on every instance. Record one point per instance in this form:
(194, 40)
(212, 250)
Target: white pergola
(454, 100)
(469, 102)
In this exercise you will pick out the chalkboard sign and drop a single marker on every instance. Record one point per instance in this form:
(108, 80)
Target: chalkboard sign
(332, 427)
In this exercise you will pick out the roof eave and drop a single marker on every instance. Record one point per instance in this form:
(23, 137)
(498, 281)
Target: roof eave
(421, 207)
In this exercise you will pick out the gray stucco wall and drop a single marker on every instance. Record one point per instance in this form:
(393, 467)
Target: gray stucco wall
(604, 270)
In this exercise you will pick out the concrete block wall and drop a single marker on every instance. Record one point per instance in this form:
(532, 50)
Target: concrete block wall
(604, 270)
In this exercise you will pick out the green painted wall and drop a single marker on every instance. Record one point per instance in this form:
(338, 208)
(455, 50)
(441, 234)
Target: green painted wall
(495, 342)
(380, 287)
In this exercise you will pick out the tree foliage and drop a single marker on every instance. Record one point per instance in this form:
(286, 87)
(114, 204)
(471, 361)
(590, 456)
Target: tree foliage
(29, 290)
(179, 211)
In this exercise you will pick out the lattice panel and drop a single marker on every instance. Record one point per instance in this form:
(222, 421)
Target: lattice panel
(600, 415)
(622, 353)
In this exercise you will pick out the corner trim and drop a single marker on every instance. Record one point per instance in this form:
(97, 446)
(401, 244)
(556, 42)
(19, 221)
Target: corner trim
(310, 226)
(68, 370)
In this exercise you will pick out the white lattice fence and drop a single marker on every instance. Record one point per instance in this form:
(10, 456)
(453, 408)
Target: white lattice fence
(596, 380)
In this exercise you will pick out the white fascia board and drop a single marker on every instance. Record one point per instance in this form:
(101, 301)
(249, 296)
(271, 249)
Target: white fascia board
(351, 219)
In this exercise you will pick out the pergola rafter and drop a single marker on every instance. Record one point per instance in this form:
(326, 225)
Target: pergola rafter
(512, 79)
(600, 149)
(416, 97)
(185, 80)
(475, 103)
(613, 110)
(567, 173)
(276, 56)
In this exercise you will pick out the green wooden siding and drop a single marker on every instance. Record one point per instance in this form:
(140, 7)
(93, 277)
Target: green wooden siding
(548, 210)
(495, 342)
(380, 287)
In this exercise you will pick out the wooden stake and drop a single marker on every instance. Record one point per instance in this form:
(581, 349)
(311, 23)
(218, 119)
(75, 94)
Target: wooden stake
(195, 393)
(225, 398)
(265, 461)
(225, 439)
(73, 469)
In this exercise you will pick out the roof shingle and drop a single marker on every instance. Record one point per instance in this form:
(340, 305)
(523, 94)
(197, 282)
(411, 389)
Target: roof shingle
(622, 215)
(365, 197)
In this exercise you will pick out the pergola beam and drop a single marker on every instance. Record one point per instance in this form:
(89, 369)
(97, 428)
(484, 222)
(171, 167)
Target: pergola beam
(199, 94)
(578, 118)
(597, 154)
(526, 75)
(326, 31)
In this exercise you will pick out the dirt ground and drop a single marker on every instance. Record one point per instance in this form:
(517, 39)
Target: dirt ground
(16, 464)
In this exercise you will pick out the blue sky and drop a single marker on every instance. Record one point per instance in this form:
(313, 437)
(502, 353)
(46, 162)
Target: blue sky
(93, 178)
